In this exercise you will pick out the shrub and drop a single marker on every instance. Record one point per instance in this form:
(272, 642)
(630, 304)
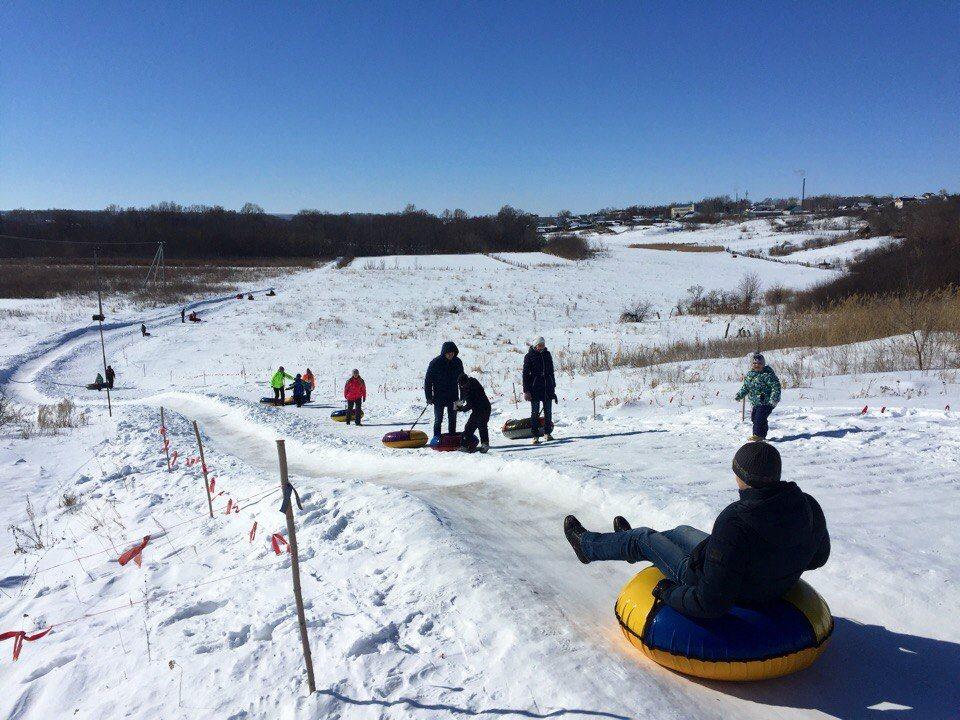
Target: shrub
(778, 295)
(570, 247)
(742, 301)
(637, 311)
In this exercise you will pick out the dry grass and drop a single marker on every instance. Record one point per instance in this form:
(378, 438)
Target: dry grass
(925, 328)
(45, 278)
(679, 247)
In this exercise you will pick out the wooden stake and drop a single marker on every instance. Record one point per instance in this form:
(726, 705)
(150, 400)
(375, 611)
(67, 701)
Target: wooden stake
(743, 410)
(295, 568)
(166, 440)
(203, 466)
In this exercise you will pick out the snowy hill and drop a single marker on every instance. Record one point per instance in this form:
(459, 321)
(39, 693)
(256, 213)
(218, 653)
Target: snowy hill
(440, 584)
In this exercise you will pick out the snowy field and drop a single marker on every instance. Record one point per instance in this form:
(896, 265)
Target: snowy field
(758, 236)
(440, 585)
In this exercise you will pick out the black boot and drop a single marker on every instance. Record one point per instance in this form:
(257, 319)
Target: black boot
(620, 524)
(573, 530)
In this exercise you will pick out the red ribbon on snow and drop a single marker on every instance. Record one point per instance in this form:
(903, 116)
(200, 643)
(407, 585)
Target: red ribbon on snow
(213, 485)
(19, 636)
(173, 459)
(230, 506)
(883, 409)
(864, 411)
(276, 540)
(253, 531)
(163, 430)
(166, 443)
(134, 553)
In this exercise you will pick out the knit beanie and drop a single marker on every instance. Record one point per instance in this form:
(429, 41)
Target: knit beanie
(757, 357)
(757, 464)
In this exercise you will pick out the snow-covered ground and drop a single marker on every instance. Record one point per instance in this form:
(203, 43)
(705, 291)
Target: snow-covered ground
(440, 584)
(758, 237)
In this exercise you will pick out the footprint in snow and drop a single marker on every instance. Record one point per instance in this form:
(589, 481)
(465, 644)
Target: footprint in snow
(204, 607)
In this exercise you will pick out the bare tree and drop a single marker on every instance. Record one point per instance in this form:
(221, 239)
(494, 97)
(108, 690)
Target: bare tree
(749, 291)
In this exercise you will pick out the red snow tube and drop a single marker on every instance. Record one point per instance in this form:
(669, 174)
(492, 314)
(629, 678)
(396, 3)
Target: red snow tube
(451, 441)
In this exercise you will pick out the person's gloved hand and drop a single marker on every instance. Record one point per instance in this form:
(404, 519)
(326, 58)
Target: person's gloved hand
(460, 404)
(556, 402)
(527, 396)
(662, 588)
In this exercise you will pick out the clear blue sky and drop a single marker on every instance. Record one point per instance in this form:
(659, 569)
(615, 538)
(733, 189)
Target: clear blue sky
(370, 106)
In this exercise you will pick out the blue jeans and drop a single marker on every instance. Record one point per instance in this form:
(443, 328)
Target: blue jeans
(669, 550)
(759, 415)
(547, 415)
(438, 409)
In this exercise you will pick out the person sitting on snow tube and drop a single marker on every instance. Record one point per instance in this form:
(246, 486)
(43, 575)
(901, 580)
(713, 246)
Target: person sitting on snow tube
(474, 399)
(440, 386)
(759, 547)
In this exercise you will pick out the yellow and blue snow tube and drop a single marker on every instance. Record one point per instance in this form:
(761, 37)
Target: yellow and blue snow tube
(754, 643)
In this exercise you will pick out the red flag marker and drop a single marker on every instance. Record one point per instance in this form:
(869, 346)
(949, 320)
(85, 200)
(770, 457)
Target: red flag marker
(864, 411)
(19, 636)
(134, 553)
(276, 540)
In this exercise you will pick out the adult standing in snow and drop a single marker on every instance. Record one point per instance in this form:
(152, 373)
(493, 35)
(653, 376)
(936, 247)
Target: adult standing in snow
(278, 383)
(111, 375)
(311, 382)
(355, 393)
(759, 547)
(143, 330)
(474, 399)
(440, 386)
(539, 386)
(761, 387)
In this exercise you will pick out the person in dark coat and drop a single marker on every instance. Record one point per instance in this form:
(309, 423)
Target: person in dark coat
(757, 551)
(474, 400)
(440, 386)
(143, 330)
(299, 387)
(539, 387)
(110, 376)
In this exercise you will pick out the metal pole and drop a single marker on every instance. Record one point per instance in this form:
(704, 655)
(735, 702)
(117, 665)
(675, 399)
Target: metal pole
(295, 568)
(203, 466)
(103, 348)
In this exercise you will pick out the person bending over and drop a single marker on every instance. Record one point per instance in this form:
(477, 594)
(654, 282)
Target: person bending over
(758, 549)
(473, 399)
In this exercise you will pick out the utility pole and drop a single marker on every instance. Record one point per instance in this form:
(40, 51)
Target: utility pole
(99, 318)
(803, 192)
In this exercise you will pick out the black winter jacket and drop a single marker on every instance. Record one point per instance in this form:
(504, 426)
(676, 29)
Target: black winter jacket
(758, 548)
(440, 383)
(475, 398)
(538, 379)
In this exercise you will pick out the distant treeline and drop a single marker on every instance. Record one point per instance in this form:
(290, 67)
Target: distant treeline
(927, 259)
(213, 232)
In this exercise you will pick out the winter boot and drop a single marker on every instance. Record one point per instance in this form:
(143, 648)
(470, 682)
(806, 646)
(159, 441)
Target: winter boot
(483, 448)
(620, 524)
(536, 441)
(573, 530)
(549, 436)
